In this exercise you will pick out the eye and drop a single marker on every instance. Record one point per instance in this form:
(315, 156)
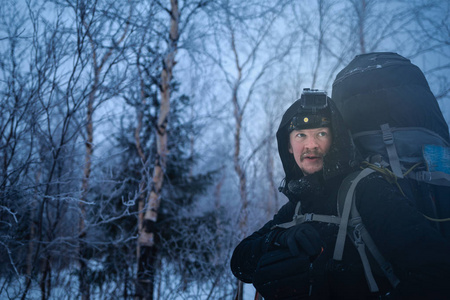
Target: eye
(300, 135)
(322, 133)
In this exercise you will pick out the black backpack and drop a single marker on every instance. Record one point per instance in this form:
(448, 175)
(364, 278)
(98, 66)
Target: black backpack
(396, 122)
(398, 127)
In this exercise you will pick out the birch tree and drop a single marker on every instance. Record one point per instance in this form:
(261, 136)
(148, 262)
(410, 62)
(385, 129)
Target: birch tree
(179, 17)
(146, 241)
(102, 61)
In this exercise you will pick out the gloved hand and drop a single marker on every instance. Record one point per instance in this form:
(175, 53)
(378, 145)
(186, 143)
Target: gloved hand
(281, 275)
(300, 237)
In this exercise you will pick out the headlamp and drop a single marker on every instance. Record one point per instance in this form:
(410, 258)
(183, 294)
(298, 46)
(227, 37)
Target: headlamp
(313, 111)
(313, 100)
(308, 121)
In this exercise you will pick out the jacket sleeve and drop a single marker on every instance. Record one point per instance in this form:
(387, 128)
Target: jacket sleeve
(419, 254)
(248, 252)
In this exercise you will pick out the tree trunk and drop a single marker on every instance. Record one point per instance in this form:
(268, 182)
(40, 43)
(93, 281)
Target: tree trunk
(46, 278)
(241, 176)
(83, 275)
(238, 112)
(240, 290)
(361, 24)
(146, 242)
(273, 196)
(98, 65)
(34, 211)
(31, 242)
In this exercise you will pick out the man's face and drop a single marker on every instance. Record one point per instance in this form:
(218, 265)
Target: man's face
(309, 146)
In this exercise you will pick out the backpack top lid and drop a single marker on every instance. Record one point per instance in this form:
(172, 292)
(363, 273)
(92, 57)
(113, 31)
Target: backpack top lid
(383, 87)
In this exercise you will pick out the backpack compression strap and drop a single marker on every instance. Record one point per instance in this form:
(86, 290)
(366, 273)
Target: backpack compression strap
(434, 177)
(388, 139)
(299, 218)
(403, 145)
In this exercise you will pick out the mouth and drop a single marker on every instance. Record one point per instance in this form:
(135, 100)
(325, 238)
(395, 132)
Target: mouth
(311, 157)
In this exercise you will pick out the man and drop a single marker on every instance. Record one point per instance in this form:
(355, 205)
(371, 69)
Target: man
(317, 153)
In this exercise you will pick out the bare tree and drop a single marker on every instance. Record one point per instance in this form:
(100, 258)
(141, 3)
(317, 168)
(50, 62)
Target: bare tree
(430, 45)
(29, 86)
(61, 93)
(247, 37)
(102, 61)
(16, 144)
(146, 241)
(179, 20)
(249, 67)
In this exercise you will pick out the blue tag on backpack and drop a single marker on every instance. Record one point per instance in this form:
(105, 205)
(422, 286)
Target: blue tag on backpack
(437, 158)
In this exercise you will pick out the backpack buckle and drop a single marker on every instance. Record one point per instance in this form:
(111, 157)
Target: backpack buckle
(308, 217)
(388, 137)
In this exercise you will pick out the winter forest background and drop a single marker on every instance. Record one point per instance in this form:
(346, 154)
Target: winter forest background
(137, 138)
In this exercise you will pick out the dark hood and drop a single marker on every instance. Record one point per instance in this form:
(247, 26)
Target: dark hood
(341, 158)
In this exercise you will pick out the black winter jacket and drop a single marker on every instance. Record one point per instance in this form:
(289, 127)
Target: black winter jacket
(419, 254)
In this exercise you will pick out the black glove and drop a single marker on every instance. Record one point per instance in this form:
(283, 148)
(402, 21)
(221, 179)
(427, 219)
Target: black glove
(281, 275)
(300, 237)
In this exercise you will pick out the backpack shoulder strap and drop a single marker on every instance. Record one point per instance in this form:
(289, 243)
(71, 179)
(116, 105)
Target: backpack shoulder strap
(346, 192)
(362, 237)
(359, 235)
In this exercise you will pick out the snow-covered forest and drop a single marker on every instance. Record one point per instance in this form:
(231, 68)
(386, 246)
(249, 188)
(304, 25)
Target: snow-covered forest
(137, 140)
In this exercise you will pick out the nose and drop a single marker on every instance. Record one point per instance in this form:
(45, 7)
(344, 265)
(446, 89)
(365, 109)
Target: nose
(311, 143)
